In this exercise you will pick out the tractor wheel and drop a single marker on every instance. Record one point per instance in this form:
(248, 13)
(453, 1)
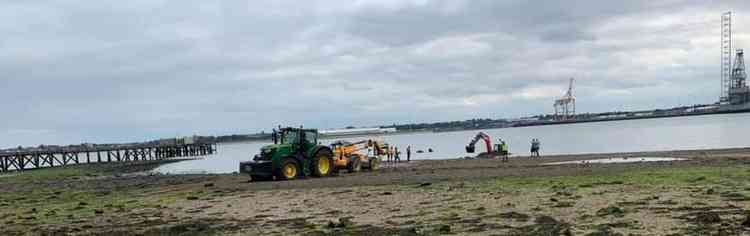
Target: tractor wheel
(374, 164)
(322, 164)
(289, 169)
(355, 165)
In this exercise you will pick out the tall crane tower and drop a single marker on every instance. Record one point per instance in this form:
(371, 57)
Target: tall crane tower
(565, 107)
(726, 55)
(734, 88)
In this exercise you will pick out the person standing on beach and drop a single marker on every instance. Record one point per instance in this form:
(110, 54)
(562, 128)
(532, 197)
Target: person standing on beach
(397, 157)
(408, 153)
(390, 154)
(387, 154)
(499, 147)
(504, 150)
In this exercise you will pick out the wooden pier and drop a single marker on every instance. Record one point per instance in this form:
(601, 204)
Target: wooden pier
(25, 160)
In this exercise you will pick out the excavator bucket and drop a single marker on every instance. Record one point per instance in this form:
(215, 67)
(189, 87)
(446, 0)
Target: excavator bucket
(470, 149)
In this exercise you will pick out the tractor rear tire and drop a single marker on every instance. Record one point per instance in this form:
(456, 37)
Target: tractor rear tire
(355, 165)
(289, 170)
(322, 163)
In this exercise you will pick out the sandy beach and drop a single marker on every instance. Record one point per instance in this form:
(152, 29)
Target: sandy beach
(705, 193)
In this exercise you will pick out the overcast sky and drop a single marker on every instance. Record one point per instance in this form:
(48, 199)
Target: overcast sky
(113, 71)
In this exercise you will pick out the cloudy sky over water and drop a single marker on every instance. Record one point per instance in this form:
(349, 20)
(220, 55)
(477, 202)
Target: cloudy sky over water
(112, 71)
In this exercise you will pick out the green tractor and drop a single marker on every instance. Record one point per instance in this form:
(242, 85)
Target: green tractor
(295, 153)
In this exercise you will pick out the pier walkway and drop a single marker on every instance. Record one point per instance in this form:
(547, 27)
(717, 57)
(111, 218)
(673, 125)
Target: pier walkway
(25, 160)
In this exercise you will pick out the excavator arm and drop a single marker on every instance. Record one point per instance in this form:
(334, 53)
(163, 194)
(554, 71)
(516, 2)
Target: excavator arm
(480, 136)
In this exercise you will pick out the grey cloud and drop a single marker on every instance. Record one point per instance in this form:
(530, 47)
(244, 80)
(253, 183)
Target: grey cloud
(74, 71)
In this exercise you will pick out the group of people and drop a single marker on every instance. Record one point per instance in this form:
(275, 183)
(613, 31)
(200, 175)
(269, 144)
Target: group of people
(535, 147)
(502, 148)
(394, 155)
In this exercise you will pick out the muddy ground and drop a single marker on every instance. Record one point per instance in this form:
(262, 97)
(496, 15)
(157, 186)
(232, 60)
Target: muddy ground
(707, 194)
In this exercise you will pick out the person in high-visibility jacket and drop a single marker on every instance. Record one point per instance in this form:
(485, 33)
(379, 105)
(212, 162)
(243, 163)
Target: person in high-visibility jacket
(504, 150)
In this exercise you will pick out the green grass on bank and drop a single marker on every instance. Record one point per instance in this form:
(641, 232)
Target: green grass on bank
(39, 196)
(42, 206)
(47, 174)
(670, 177)
(654, 177)
(51, 206)
(80, 171)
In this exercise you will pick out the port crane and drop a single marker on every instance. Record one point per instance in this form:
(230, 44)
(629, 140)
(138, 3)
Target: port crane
(565, 107)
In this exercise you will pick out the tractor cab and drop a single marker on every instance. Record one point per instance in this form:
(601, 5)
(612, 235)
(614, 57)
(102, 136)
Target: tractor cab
(299, 139)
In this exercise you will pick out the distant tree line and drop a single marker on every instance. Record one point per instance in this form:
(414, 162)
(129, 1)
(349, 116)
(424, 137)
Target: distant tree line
(466, 124)
(416, 127)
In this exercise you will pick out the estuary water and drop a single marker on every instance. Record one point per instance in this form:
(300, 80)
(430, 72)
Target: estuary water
(677, 133)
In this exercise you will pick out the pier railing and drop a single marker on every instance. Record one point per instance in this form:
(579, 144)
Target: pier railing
(24, 160)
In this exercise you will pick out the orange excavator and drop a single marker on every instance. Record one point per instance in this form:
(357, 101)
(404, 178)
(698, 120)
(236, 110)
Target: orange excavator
(347, 155)
(480, 136)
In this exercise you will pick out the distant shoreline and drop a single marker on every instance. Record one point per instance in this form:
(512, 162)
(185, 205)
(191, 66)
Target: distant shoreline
(540, 123)
(549, 123)
(334, 137)
(637, 118)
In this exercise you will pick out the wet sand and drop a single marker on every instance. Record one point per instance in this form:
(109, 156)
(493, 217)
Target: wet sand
(704, 194)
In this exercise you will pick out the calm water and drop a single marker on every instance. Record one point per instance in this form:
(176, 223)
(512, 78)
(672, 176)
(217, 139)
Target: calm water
(697, 132)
